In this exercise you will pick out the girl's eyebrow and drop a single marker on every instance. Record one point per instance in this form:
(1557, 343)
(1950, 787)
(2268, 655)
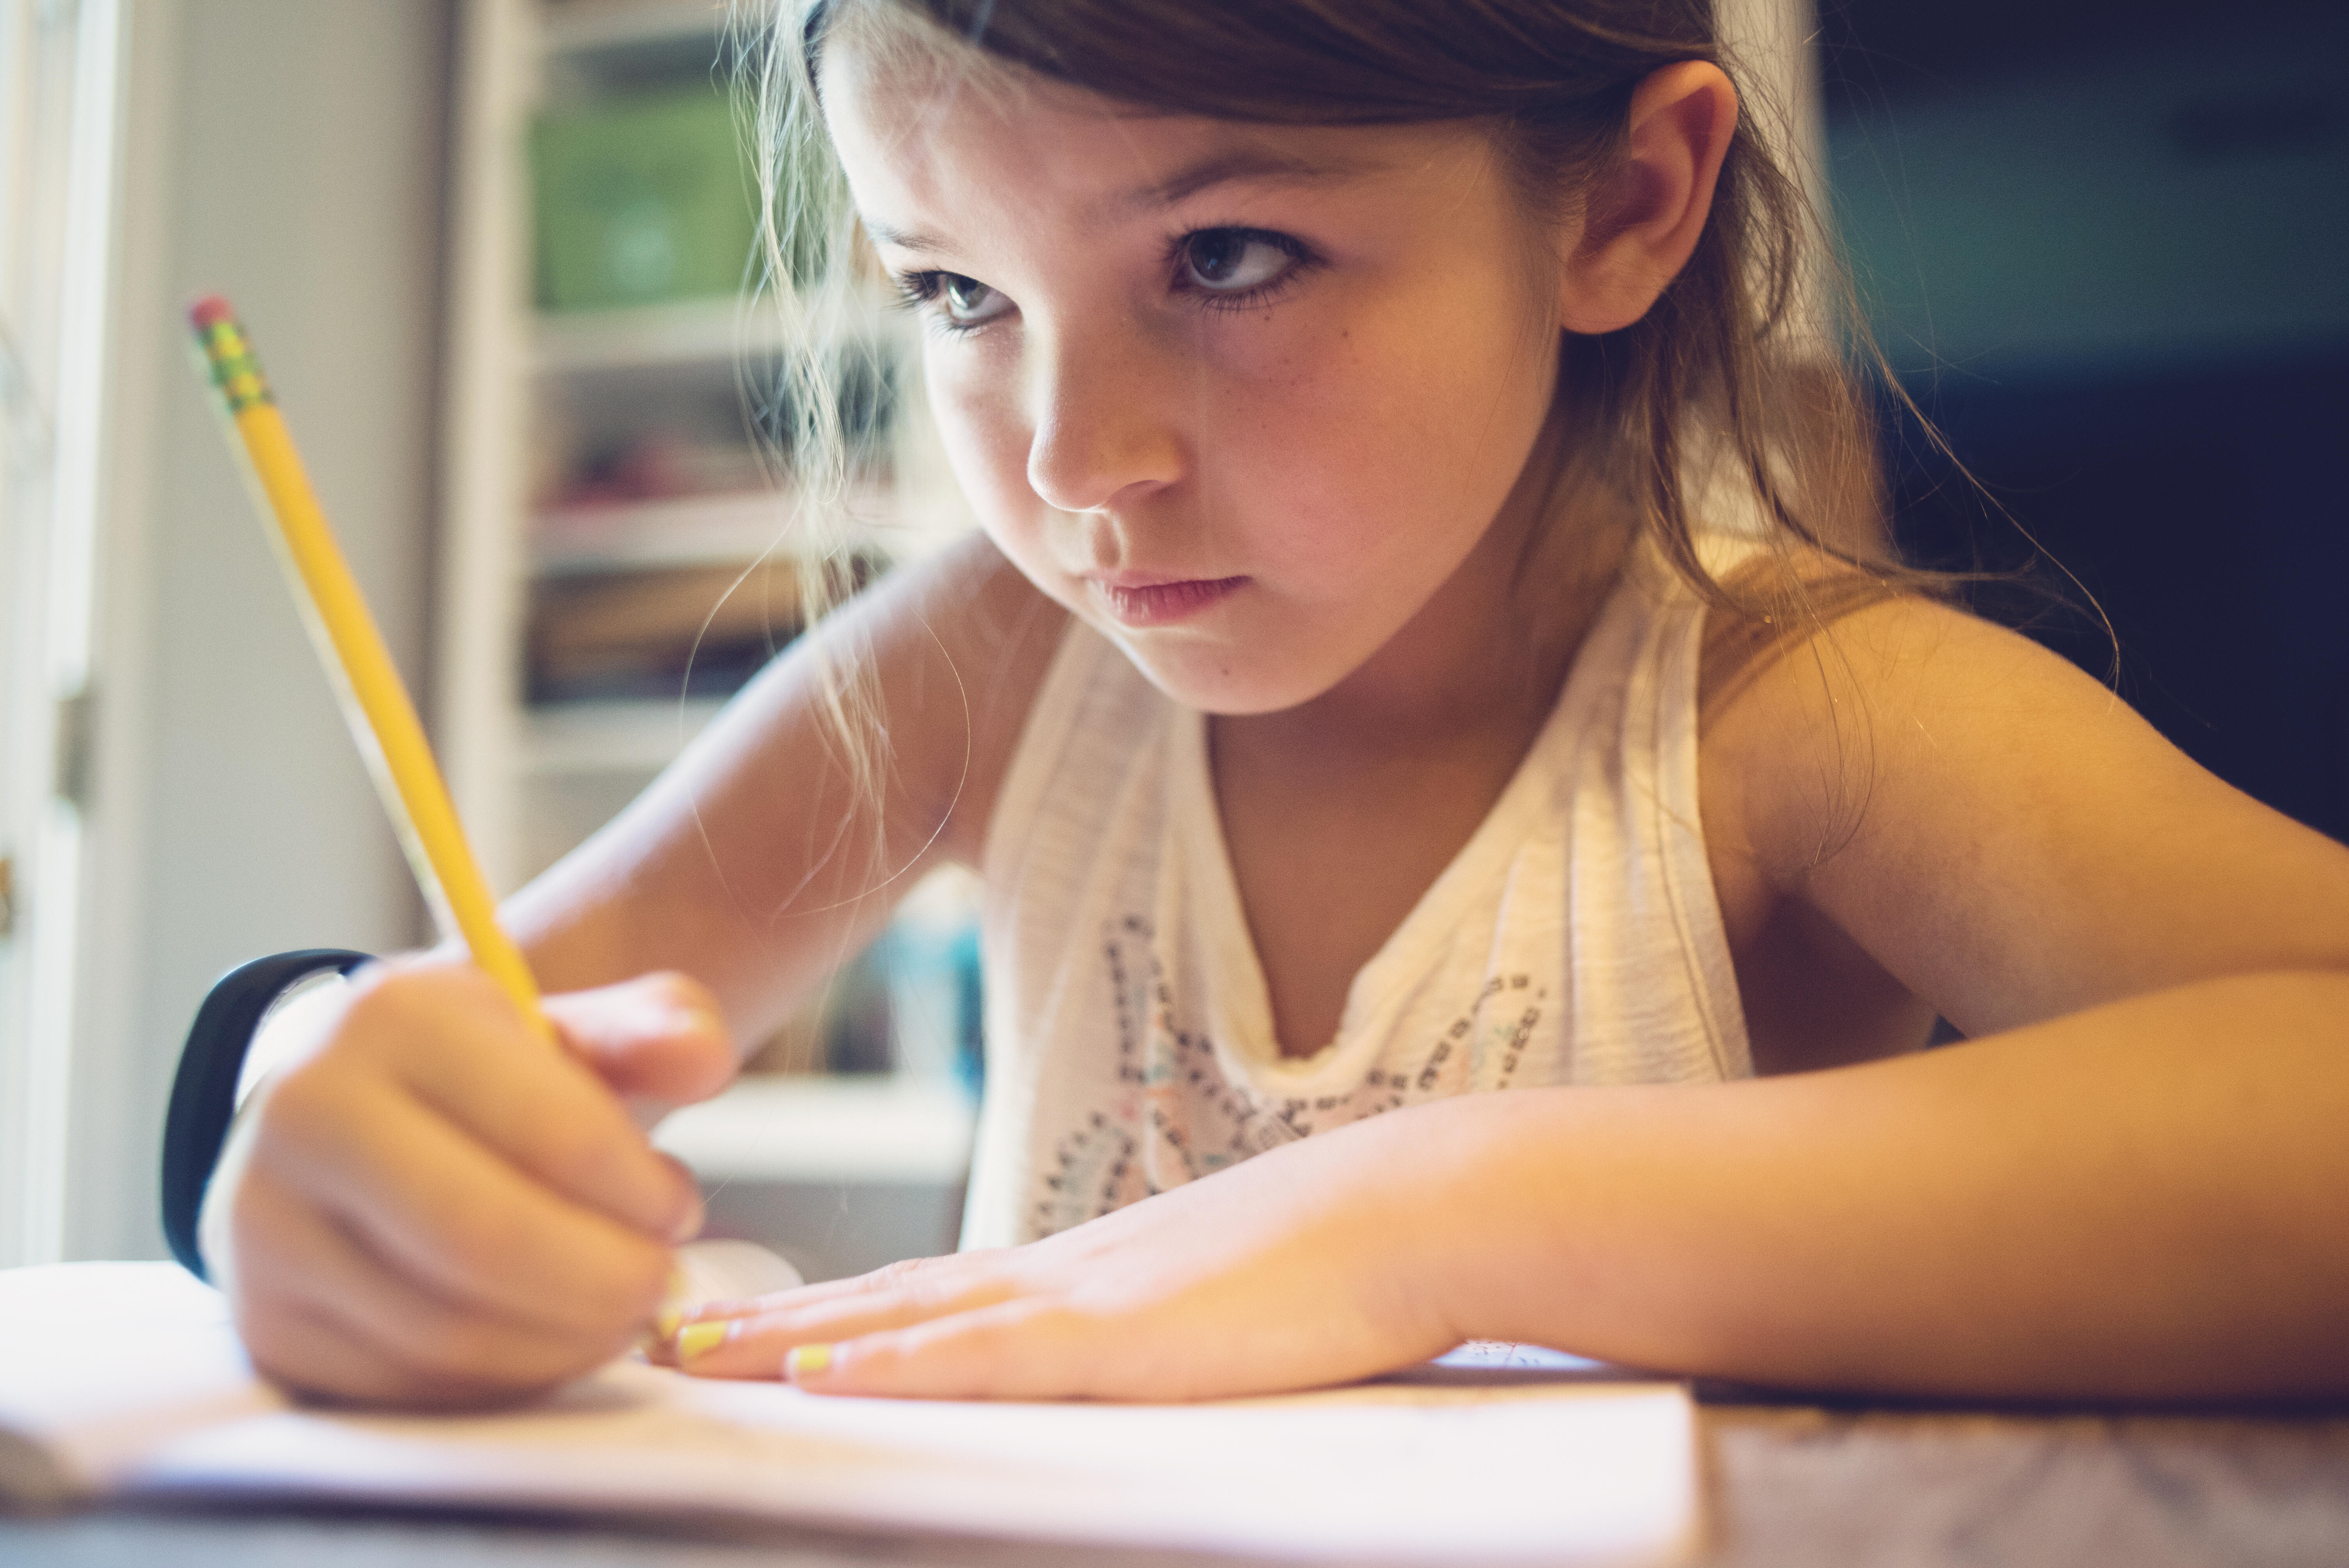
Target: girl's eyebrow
(914, 240)
(1261, 165)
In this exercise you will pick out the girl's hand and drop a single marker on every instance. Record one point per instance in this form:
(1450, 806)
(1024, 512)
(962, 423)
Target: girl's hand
(431, 1207)
(1315, 1263)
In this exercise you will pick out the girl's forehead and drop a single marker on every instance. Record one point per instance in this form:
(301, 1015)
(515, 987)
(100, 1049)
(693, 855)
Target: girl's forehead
(923, 133)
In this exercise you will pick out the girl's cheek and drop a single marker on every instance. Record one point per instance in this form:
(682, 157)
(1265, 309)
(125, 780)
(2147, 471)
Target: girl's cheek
(987, 441)
(983, 431)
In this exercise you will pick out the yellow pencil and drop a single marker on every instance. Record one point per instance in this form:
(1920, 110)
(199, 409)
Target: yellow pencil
(375, 703)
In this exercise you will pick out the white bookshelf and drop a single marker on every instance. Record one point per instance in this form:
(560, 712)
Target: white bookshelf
(573, 27)
(686, 531)
(732, 528)
(574, 738)
(508, 365)
(693, 333)
(533, 781)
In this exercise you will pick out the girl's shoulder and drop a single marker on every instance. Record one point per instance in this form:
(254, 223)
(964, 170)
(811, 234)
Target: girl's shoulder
(1830, 694)
(1773, 603)
(1987, 821)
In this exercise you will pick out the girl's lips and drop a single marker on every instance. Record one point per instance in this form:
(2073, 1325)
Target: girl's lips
(1140, 603)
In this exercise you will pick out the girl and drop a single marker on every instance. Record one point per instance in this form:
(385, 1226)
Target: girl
(1428, 641)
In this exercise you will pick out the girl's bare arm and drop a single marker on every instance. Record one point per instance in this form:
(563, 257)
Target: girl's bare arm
(1998, 831)
(761, 860)
(2143, 1200)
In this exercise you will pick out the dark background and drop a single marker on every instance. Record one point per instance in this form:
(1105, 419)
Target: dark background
(2106, 248)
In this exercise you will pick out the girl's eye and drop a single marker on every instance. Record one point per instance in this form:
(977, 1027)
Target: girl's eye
(958, 304)
(969, 302)
(1234, 260)
(964, 301)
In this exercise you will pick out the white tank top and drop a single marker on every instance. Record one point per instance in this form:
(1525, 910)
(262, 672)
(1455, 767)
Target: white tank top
(1575, 939)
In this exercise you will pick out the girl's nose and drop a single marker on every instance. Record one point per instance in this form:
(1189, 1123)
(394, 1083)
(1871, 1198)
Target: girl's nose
(1099, 407)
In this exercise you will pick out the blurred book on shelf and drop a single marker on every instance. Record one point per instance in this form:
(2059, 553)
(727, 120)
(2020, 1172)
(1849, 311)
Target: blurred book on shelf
(642, 197)
(799, 1049)
(660, 462)
(910, 1004)
(731, 529)
(666, 632)
(695, 631)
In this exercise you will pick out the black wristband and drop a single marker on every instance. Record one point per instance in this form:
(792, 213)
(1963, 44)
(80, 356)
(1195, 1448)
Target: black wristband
(203, 1093)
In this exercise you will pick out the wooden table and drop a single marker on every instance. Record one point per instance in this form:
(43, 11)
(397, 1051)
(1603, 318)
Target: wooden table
(1815, 1488)
(1793, 1487)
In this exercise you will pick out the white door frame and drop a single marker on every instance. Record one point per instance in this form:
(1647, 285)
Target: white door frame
(60, 70)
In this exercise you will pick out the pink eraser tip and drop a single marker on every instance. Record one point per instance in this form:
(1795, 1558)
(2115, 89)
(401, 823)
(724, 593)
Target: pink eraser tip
(210, 311)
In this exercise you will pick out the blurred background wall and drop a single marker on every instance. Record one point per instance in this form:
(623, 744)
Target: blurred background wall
(2103, 243)
(289, 155)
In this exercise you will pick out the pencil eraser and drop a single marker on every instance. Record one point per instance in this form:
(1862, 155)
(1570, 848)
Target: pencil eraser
(210, 311)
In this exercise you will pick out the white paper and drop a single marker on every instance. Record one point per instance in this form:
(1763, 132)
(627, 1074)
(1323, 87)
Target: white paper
(1435, 1469)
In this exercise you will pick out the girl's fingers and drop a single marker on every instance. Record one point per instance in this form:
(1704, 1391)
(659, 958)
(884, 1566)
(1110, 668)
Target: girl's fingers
(753, 1344)
(1027, 1349)
(454, 1041)
(293, 1346)
(435, 1208)
(932, 1274)
(434, 1204)
(441, 1348)
(658, 1037)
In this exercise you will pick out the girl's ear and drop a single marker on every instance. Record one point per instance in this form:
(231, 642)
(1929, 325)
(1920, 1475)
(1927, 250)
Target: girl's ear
(1642, 222)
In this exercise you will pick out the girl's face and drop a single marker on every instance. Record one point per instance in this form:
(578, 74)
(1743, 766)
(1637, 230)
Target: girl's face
(1242, 397)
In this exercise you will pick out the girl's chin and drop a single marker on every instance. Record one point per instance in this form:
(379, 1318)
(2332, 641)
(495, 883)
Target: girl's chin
(1218, 676)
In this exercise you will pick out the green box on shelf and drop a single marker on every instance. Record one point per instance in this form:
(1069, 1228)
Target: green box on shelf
(641, 200)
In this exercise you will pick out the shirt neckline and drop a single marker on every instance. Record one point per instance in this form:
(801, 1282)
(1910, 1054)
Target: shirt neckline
(1239, 998)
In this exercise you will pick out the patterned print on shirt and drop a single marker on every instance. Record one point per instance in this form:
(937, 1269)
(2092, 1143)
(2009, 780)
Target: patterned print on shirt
(1175, 1116)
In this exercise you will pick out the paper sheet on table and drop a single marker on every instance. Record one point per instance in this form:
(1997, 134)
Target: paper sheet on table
(125, 1379)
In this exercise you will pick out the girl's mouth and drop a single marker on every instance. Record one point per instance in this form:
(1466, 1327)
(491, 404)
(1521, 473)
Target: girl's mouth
(1142, 603)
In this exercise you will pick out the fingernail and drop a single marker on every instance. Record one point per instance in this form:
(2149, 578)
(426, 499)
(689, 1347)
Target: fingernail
(701, 1339)
(688, 1225)
(807, 1361)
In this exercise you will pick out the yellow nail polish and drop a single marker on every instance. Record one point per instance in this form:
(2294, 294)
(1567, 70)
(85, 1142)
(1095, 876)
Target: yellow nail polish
(807, 1361)
(701, 1339)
